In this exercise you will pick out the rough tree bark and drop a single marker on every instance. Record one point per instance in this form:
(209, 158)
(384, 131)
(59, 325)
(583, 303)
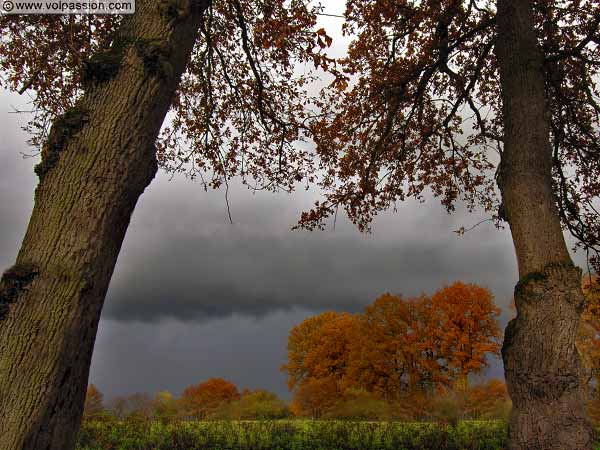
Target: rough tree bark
(541, 363)
(99, 158)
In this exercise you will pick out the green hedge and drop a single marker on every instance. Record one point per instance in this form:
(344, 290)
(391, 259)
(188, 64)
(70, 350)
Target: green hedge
(291, 435)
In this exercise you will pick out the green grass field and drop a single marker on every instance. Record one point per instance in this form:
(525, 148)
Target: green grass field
(291, 435)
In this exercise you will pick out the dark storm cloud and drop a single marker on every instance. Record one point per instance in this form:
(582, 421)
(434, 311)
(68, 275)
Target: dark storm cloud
(184, 262)
(190, 278)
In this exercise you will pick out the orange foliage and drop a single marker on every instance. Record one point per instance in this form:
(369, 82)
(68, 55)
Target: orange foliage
(302, 340)
(319, 348)
(329, 358)
(390, 352)
(487, 400)
(93, 407)
(400, 350)
(202, 400)
(466, 328)
(240, 108)
(318, 354)
(314, 397)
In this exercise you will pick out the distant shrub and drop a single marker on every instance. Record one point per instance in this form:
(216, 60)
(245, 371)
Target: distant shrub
(254, 405)
(358, 404)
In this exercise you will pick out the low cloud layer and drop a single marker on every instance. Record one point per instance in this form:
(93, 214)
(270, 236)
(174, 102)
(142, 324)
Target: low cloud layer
(185, 262)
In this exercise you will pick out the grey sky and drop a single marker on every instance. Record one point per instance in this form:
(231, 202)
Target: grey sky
(194, 296)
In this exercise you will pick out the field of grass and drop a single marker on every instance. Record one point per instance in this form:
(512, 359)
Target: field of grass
(291, 435)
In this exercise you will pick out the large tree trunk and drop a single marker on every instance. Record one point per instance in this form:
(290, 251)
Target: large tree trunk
(99, 158)
(541, 363)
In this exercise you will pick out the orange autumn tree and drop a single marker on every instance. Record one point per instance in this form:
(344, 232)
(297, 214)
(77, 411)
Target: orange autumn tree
(426, 342)
(391, 353)
(398, 348)
(314, 397)
(465, 324)
(433, 363)
(318, 351)
(302, 340)
(329, 358)
(202, 400)
(383, 328)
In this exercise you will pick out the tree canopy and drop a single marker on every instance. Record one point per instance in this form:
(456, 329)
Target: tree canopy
(201, 400)
(417, 107)
(240, 108)
(414, 106)
(397, 347)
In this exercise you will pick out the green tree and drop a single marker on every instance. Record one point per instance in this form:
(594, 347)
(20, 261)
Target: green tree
(165, 407)
(257, 405)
